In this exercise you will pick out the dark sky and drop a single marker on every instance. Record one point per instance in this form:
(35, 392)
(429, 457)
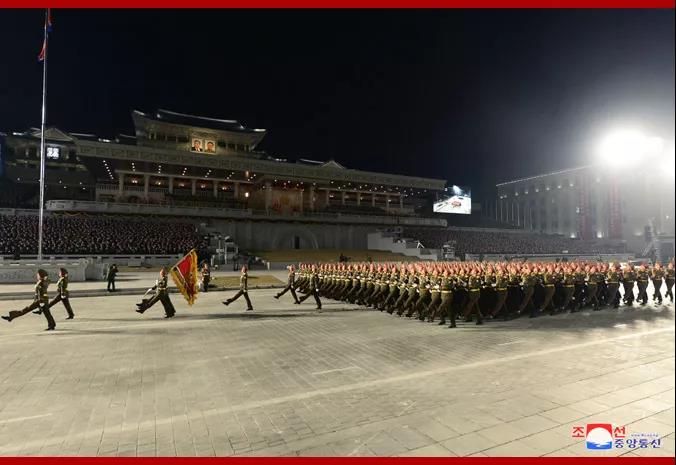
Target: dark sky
(471, 96)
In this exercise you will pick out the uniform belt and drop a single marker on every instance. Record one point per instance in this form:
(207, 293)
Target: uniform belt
(446, 292)
(549, 285)
(502, 288)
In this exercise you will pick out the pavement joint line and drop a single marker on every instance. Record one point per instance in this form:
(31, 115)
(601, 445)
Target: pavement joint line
(336, 370)
(378, 382)
(14, 420)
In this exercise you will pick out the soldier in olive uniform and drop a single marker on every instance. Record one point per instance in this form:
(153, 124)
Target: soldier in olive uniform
(628, 279)
(500, 285)
(435, 292)
(613, 280)
(593, 278)
(549, 278)
(642, 279)
(568, 282)
(579, 293)
(61, 294)
(41, 302)
(657, 276)
(446, 307)
(243, 290)
(472, 305)
(528, 286)
(313, 289)
(290, 283)
(669, 280)
(161, 295)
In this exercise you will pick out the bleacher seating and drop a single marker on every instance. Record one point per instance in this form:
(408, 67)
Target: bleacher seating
(496, 242)
(98, 234)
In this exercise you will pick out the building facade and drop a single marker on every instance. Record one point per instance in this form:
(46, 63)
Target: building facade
(591, 202)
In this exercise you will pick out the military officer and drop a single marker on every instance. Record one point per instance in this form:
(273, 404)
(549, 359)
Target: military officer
(313, 289)
(61, 294)
(161, 295)
(472, 305)
(206, 276)
(628, 279)
(41, 301)
(290, 283)
(243, 290)
(613, 280)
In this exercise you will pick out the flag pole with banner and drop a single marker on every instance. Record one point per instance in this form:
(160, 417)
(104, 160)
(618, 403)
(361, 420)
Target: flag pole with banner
(185, 274)
(43, 58)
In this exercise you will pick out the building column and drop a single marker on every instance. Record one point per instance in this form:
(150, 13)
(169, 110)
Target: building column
(301, 200)
(193, 187)
(120, 188)
(387, 203)
(215, 183)
(171, 184)
(401, 203)
(312, 198)
(268, 195)
(235, 190)
(328, 198)
(146, 184)
(342, 197)
(358, 198)
(373, 200)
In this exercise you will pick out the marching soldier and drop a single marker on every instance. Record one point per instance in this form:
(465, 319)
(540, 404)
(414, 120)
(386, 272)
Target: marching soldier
(313, 289)
(669, 280)
(642, 278)
(446, 306)
(41, 302)
(549, 282)
(528, 285)
(628, 278)
(474, 288)
(435, 292)
(501, 282)
(657, 277)
(243, 290)
(290, 282)
(61, 294)
(593, 288)
(613, 281)
(161, 295)
(568, 288)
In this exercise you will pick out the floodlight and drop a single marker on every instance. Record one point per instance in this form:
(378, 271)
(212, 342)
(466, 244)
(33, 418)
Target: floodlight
(624, 147)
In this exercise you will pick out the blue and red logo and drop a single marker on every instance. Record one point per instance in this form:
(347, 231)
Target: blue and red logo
(599, 436)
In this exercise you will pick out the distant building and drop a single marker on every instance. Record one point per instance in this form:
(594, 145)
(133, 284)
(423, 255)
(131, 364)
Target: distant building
(592, 202)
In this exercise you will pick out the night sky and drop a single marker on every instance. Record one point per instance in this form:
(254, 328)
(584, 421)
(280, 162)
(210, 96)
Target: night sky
(471, 96)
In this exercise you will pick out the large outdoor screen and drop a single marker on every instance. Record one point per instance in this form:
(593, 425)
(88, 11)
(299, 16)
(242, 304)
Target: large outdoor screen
(454, 199)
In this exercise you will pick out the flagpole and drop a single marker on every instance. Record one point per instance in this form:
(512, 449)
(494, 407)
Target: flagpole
(42, 141)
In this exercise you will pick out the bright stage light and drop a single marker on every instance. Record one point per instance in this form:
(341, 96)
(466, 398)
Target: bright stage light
(624, 148)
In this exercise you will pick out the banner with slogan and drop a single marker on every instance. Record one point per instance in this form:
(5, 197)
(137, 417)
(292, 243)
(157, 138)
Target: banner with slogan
(185, 276)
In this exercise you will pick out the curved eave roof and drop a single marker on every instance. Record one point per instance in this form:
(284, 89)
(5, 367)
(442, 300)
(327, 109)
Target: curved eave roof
(182, 119)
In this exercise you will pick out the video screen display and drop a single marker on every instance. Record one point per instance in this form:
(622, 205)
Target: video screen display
(454, 199)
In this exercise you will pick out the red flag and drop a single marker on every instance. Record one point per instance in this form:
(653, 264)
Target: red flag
(185, 274)
(48, 29)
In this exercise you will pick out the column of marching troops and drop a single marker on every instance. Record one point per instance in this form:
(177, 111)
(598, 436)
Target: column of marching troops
(427, 290)
(449, 290)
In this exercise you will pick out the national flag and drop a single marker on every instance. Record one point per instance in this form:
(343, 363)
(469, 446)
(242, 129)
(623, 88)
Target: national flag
(185, 276)
(48, 29)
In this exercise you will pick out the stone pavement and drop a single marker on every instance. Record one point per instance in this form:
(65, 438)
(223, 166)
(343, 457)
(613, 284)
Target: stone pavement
(284, 380)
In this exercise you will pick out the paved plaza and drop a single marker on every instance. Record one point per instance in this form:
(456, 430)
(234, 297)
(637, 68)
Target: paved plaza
(285, 380)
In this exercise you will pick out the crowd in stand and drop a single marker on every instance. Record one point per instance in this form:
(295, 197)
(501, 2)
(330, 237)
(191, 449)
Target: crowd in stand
(91, 235)
(496, 242)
